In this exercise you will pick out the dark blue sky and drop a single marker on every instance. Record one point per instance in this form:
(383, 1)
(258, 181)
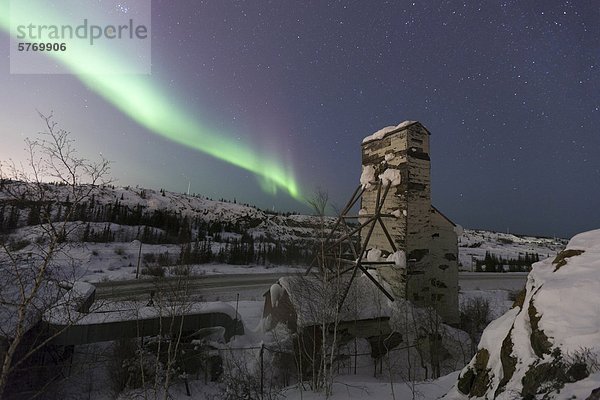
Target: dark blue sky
(509, 90)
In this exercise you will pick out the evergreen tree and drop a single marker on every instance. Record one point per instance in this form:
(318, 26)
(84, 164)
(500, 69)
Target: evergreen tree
(86, 233)
(34, 214)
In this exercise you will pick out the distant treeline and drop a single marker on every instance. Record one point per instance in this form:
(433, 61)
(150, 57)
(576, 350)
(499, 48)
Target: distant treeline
(201, 241)
(244, 251)
(494, 263)
(177, 228)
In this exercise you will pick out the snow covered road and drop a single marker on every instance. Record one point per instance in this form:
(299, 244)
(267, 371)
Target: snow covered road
(251, 286)
(207, 288)
(492, 280)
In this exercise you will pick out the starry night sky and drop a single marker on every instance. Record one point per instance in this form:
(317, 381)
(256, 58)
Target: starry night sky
(510, 91)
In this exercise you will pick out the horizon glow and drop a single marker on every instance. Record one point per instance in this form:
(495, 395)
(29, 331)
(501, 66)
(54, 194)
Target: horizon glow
(149, 106)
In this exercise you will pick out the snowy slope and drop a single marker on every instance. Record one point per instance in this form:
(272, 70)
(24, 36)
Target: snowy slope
(123, 213)
(256, 221)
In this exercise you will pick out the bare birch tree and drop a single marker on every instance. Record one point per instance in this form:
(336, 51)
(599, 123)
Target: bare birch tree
(30, 272)
(321, 300)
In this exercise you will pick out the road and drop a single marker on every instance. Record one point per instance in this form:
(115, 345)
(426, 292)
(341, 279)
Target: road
(492, 280)
(252, 286)
(204, 287)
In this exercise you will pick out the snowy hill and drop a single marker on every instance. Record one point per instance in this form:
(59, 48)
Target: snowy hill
(474, 244)
(548, 345)
(111, 220)
(107, 224)
(128, 199)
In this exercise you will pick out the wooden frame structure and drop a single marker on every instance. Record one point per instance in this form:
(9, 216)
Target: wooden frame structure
(342, 233)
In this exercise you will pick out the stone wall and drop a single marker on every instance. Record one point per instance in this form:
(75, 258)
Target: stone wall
(374, 154)
(426, 236)
(443, 269)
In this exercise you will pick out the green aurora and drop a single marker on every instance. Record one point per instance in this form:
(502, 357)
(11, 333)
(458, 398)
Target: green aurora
(145, 103)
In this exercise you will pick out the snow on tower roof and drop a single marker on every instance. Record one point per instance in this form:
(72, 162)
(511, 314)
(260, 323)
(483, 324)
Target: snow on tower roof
(388, 130)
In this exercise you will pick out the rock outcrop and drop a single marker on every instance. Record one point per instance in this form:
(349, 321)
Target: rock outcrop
(548, 345)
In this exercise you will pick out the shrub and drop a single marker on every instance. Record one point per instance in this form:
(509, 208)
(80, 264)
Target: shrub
(124, 349)
(154, 271)
(182, 270)
(546, 378)
(149, 258)
(475, 315)
(131, 365)
(241, 381)
(164, 259)
(19, 244)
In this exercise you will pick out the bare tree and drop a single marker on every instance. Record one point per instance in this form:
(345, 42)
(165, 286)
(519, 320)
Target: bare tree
(319, 301)
(161, 355)
(475, 315)
(31, 271)
(319, 203)
(173, 305)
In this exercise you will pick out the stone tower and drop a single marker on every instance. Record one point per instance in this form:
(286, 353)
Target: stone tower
(426, 236)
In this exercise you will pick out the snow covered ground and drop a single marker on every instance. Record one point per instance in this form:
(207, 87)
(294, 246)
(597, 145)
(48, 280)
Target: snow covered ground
(367, 388)
(118, 260)
(91, 376)
(95, 262)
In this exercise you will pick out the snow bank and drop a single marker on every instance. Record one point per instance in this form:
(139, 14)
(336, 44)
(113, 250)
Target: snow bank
(363, 387)
(216, 307)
